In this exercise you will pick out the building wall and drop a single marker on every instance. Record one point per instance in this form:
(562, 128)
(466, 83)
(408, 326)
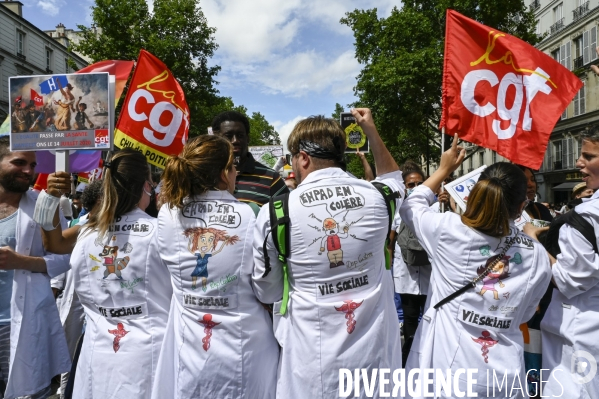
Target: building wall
(32, 61)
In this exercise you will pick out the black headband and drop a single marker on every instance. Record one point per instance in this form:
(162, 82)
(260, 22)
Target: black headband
(317, 151)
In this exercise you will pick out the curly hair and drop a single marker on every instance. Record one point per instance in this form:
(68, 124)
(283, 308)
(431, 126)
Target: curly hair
(194, 233)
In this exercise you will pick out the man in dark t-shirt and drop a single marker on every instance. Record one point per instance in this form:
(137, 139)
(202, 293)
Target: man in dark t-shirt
(255, 182)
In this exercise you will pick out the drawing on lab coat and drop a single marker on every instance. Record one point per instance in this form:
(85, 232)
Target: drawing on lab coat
(498, 273)
(348, 308)
(208, 326)
(337, 201)
(486, 342)
(118, 333)
(110, 259)
(202, 243)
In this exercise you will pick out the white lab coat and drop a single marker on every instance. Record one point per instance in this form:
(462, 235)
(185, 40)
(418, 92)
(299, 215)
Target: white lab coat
(453, 336)
(571, 322)
(408, 279)
(341, 312)
(219, 341)
(71, 311)
(38, 350)
(126, 318)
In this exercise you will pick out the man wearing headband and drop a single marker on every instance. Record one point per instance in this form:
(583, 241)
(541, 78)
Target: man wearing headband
(338, 311)
(255, 183)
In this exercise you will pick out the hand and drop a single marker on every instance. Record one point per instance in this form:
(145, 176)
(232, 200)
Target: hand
(321, 250)
(9, 259)
(59, 183)
(533, 231)
(501, 285)
(91, 125)
(346, 229)
(363, 118)
(360, 154)
(594, 67)
(80, 97)
(443, 198)
(452, 158)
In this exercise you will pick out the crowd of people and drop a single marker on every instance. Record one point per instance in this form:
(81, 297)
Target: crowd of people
(224, 280)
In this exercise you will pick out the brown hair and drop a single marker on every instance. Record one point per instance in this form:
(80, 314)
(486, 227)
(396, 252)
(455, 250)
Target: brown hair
(122, 188)
(495, 199)
(196, 170)
(325, 132)
(410, 167)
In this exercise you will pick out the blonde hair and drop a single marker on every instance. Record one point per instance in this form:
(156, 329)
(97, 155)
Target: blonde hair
(196, 170)
(122, 187)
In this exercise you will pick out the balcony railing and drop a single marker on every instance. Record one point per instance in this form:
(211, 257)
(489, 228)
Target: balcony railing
(535, 5)
(22, 56)
(557, 165)
(556, 27)
(580, 11)
(578, 62)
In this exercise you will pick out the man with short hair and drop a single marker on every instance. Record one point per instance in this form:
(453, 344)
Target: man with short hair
(340, 311)
(32, 344)
(255, 183)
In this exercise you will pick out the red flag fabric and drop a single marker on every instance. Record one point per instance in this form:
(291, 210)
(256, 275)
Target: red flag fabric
(500, 92)
(155, 117)
(37, 99)
(41, 182)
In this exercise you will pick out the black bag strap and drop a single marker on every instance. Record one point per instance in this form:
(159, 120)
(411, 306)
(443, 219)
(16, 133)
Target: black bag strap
(583, 226)
(389, 196)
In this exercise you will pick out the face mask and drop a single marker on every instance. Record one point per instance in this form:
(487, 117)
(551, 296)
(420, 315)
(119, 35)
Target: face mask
(409, 191)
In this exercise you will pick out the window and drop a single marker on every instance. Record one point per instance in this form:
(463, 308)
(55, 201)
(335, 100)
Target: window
(481, 159)
(538, 28)
(558, 12)
(564, 55)
(20, 43)
(593, 44)
(556, 54)
(589, 43)
(568, 151)
(493, 157)
(578, 47)
(66, 65)
(547, 163)
(579, 102)
(558, 154)
(48, 59)
(470, 168)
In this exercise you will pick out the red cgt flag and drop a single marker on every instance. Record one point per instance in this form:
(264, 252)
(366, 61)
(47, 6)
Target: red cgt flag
(37, 99)
(500, 92)
(155, 117)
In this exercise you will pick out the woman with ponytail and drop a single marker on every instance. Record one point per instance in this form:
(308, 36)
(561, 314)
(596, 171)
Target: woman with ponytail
(219, 341)
(487, 278)
(122, 286)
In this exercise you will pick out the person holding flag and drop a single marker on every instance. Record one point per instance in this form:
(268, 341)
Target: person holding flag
(505, 273)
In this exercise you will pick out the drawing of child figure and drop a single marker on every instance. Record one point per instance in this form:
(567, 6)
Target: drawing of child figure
(202, 243)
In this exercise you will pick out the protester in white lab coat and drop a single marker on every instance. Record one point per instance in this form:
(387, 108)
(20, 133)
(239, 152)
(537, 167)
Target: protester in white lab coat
(340, 312)
(569, 328)
(32, 344)
(122, 286)
(219, 341)
(478, 329)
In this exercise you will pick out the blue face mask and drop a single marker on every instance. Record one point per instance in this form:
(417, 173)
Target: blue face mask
(409, 191)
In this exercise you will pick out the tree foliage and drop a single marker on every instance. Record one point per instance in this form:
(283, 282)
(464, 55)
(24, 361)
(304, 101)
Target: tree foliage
(176, 32)
(402, 58)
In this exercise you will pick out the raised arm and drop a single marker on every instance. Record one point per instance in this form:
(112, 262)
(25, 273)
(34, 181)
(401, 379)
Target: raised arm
(383, 160)
(368, 175)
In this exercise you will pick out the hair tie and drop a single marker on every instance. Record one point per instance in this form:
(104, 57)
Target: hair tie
(107, 164)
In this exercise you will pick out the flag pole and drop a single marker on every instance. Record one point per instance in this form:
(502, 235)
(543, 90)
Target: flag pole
(442, 150)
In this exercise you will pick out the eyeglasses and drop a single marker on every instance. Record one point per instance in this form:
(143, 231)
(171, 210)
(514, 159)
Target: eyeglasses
(414, 184)
(229, 135)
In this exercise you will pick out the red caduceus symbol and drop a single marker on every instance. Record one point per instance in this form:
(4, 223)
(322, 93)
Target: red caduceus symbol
(208, 326)
(119, 333)
(348, 308)
(487, 342)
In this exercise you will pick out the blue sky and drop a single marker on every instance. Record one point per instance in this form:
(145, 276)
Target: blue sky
(287, 59)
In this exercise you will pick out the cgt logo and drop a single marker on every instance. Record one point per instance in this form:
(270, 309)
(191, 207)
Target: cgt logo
(583, 367)
(101, 139)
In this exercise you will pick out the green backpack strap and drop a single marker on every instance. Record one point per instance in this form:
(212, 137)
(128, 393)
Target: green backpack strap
(389, 196)
(279, 229)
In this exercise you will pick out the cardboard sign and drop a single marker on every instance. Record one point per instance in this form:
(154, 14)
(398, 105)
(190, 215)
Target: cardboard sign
(355, 138)
(460, 188)
(64, 112)
(267, 155)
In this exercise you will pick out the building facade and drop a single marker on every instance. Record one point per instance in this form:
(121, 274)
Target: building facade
(66, 37)
(27, 50)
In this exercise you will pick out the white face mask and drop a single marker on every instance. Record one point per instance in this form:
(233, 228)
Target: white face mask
(409, 191)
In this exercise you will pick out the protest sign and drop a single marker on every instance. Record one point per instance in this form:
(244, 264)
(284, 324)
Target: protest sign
(155, 117)
(72, 112)
(500, 92)
(267, 154)
(460, 188)
(355, 138)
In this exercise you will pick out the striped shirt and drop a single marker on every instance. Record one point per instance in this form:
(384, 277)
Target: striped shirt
(256, 183)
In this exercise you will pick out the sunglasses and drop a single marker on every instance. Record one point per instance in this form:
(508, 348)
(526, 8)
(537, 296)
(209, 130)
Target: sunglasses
(414, 184)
